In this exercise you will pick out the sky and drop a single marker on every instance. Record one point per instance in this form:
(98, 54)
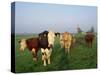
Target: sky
(37, 17)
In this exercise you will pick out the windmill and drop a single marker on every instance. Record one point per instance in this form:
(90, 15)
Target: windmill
(79, 29)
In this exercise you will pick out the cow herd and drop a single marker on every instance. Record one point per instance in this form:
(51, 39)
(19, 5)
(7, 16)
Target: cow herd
(45, 43)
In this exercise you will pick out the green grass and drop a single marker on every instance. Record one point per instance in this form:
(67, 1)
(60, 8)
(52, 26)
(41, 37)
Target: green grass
(80, 57)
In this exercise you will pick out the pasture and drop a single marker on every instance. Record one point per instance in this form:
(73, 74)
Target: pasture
(80, 57)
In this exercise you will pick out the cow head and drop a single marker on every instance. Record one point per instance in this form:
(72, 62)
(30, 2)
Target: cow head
(51, 38)
(23, 45)
(51, 34)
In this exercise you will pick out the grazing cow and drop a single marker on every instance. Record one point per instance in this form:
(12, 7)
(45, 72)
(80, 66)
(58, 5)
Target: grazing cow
(45, 50)
(32, 44)
(89, 37)
(66, 40)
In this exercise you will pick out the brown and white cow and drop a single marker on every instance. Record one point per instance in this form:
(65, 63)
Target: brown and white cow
(32, 44)
(66, 40)
(89, 37)
(44, 42)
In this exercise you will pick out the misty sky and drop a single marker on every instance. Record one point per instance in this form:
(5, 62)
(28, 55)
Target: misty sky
(37, 17)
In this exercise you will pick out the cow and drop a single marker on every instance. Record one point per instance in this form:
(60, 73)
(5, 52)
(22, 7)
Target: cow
(66, 40)
(32, 44)
(46, 42)
(45, 49)
(89, 37)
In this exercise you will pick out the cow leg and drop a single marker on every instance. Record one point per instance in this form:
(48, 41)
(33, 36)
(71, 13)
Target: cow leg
(43, 56)
(42, 51)
(48, 55)
(44, 59)
(68, 50)
(61, 44)
(44, 62)
(49, 61)
(91, 43)
(65, 50)
(34, 54)
(66, 47)
(69, 46)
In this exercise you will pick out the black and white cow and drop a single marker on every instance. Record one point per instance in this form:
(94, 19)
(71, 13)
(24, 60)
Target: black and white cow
(46, 41)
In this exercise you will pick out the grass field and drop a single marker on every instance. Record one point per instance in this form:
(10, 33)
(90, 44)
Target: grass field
(80, 57)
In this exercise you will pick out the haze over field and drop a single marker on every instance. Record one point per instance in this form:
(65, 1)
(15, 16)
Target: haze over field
(37, 17)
